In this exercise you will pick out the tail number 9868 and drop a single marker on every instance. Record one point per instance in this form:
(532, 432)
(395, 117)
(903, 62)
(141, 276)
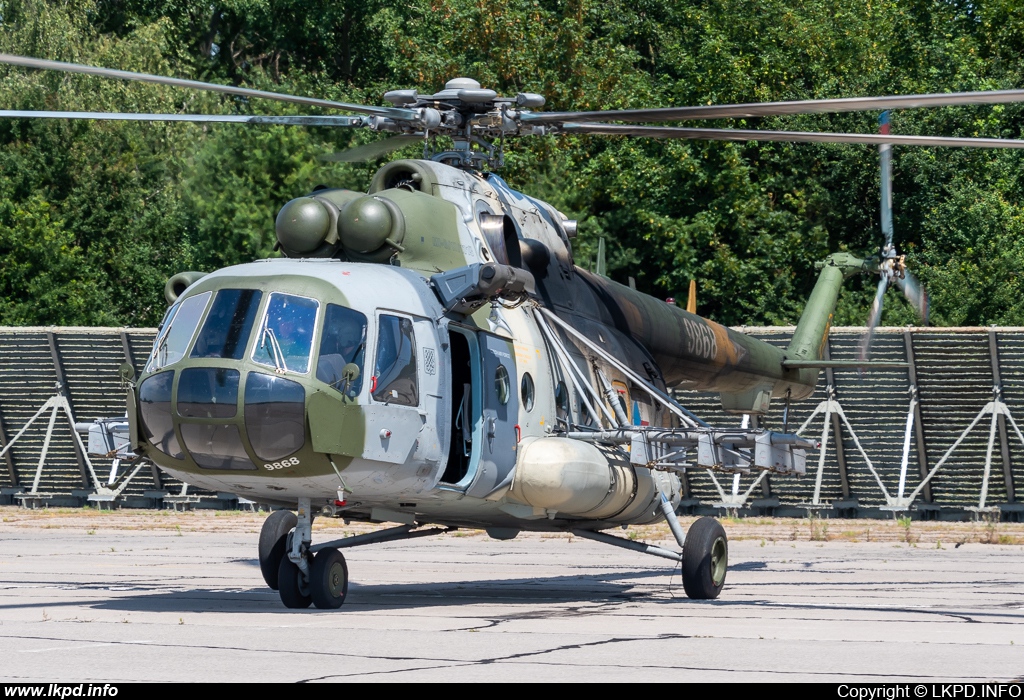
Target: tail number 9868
(283, 464)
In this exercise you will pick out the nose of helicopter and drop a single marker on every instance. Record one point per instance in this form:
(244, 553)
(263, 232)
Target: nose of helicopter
(229, 384)
(224, 422)
(288, 368)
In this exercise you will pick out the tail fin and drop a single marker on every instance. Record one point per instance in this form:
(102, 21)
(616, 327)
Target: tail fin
(812, 331)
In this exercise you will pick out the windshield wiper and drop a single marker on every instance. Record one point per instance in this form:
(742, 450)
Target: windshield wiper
(276, 353)
(161, 348)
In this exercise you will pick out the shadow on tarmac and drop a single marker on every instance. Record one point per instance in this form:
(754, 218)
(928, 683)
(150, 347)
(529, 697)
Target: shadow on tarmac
(592, 590)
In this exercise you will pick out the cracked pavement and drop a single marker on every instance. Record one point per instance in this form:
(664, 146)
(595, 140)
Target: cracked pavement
(109, 605)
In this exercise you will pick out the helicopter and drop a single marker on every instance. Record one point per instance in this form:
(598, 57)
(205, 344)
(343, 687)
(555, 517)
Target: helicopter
(429, 354)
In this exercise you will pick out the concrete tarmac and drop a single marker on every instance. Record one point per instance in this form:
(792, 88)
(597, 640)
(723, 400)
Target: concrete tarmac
(108, 604)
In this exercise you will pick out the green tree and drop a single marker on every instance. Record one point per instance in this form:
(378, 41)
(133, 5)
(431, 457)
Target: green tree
(139, 202)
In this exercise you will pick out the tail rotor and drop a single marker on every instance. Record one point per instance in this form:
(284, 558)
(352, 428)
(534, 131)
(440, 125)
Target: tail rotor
(892, 268)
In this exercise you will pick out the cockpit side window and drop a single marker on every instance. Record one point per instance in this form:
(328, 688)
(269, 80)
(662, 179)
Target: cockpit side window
(285, 337)
(342, 350)
(228, 325)
(394, 375)
(177, 332)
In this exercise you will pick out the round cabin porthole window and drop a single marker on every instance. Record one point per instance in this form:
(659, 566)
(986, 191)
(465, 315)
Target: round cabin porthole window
(502, 384)
(526, 390)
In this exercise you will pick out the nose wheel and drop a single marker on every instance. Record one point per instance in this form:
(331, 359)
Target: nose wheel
(273, 541)
(325, 587)
(292, 585)
(328, 579)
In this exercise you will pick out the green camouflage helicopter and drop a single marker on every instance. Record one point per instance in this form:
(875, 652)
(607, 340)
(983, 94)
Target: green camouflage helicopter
(428, 353)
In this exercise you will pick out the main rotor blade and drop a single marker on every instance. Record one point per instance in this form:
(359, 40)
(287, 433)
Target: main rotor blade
(676, 132)
(915, 293)
(27, 62)
(874, 316)
(372, 150)
(768, 109)
(227, 118)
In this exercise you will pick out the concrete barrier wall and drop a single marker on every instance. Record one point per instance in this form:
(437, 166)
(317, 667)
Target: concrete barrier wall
(953, 373)
(85, 362)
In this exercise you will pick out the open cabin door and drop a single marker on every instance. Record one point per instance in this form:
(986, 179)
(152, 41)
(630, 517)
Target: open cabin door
(484, 410)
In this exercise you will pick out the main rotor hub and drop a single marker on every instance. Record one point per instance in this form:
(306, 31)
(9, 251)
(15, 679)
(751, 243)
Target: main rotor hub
(467, 113)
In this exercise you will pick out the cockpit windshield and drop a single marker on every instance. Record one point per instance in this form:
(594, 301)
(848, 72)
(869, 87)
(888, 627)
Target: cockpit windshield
(342, 348)
(228, 325)
(285, 337)
(176, 333)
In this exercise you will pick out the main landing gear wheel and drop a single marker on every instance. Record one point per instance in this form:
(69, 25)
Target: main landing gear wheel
(705, 559)
(273, 540)
(292, 585)
(328, 581)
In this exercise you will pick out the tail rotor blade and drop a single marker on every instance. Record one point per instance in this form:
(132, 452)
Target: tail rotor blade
(873, 318)
(885, 158)
(915, 293)
(372, 150)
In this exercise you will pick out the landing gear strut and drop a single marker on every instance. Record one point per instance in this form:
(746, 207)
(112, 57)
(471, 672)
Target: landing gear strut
(294, 569)
(704, 559)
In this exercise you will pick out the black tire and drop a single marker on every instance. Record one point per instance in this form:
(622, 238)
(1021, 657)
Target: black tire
(328, 582)
(705, 559)
(273, 540)
(294, 592)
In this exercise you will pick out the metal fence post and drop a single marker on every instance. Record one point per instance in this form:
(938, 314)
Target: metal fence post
(1004, 442)
(62, 389)
(8, 459)
(837, 429)
(922, 451)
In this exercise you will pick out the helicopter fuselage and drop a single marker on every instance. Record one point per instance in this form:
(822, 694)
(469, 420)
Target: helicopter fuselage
(338, 374)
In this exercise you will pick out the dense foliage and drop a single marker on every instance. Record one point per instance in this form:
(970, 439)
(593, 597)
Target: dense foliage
(94, 216)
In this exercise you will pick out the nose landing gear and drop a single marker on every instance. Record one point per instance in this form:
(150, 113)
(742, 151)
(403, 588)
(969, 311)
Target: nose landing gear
(305, 574)
(285, 558)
